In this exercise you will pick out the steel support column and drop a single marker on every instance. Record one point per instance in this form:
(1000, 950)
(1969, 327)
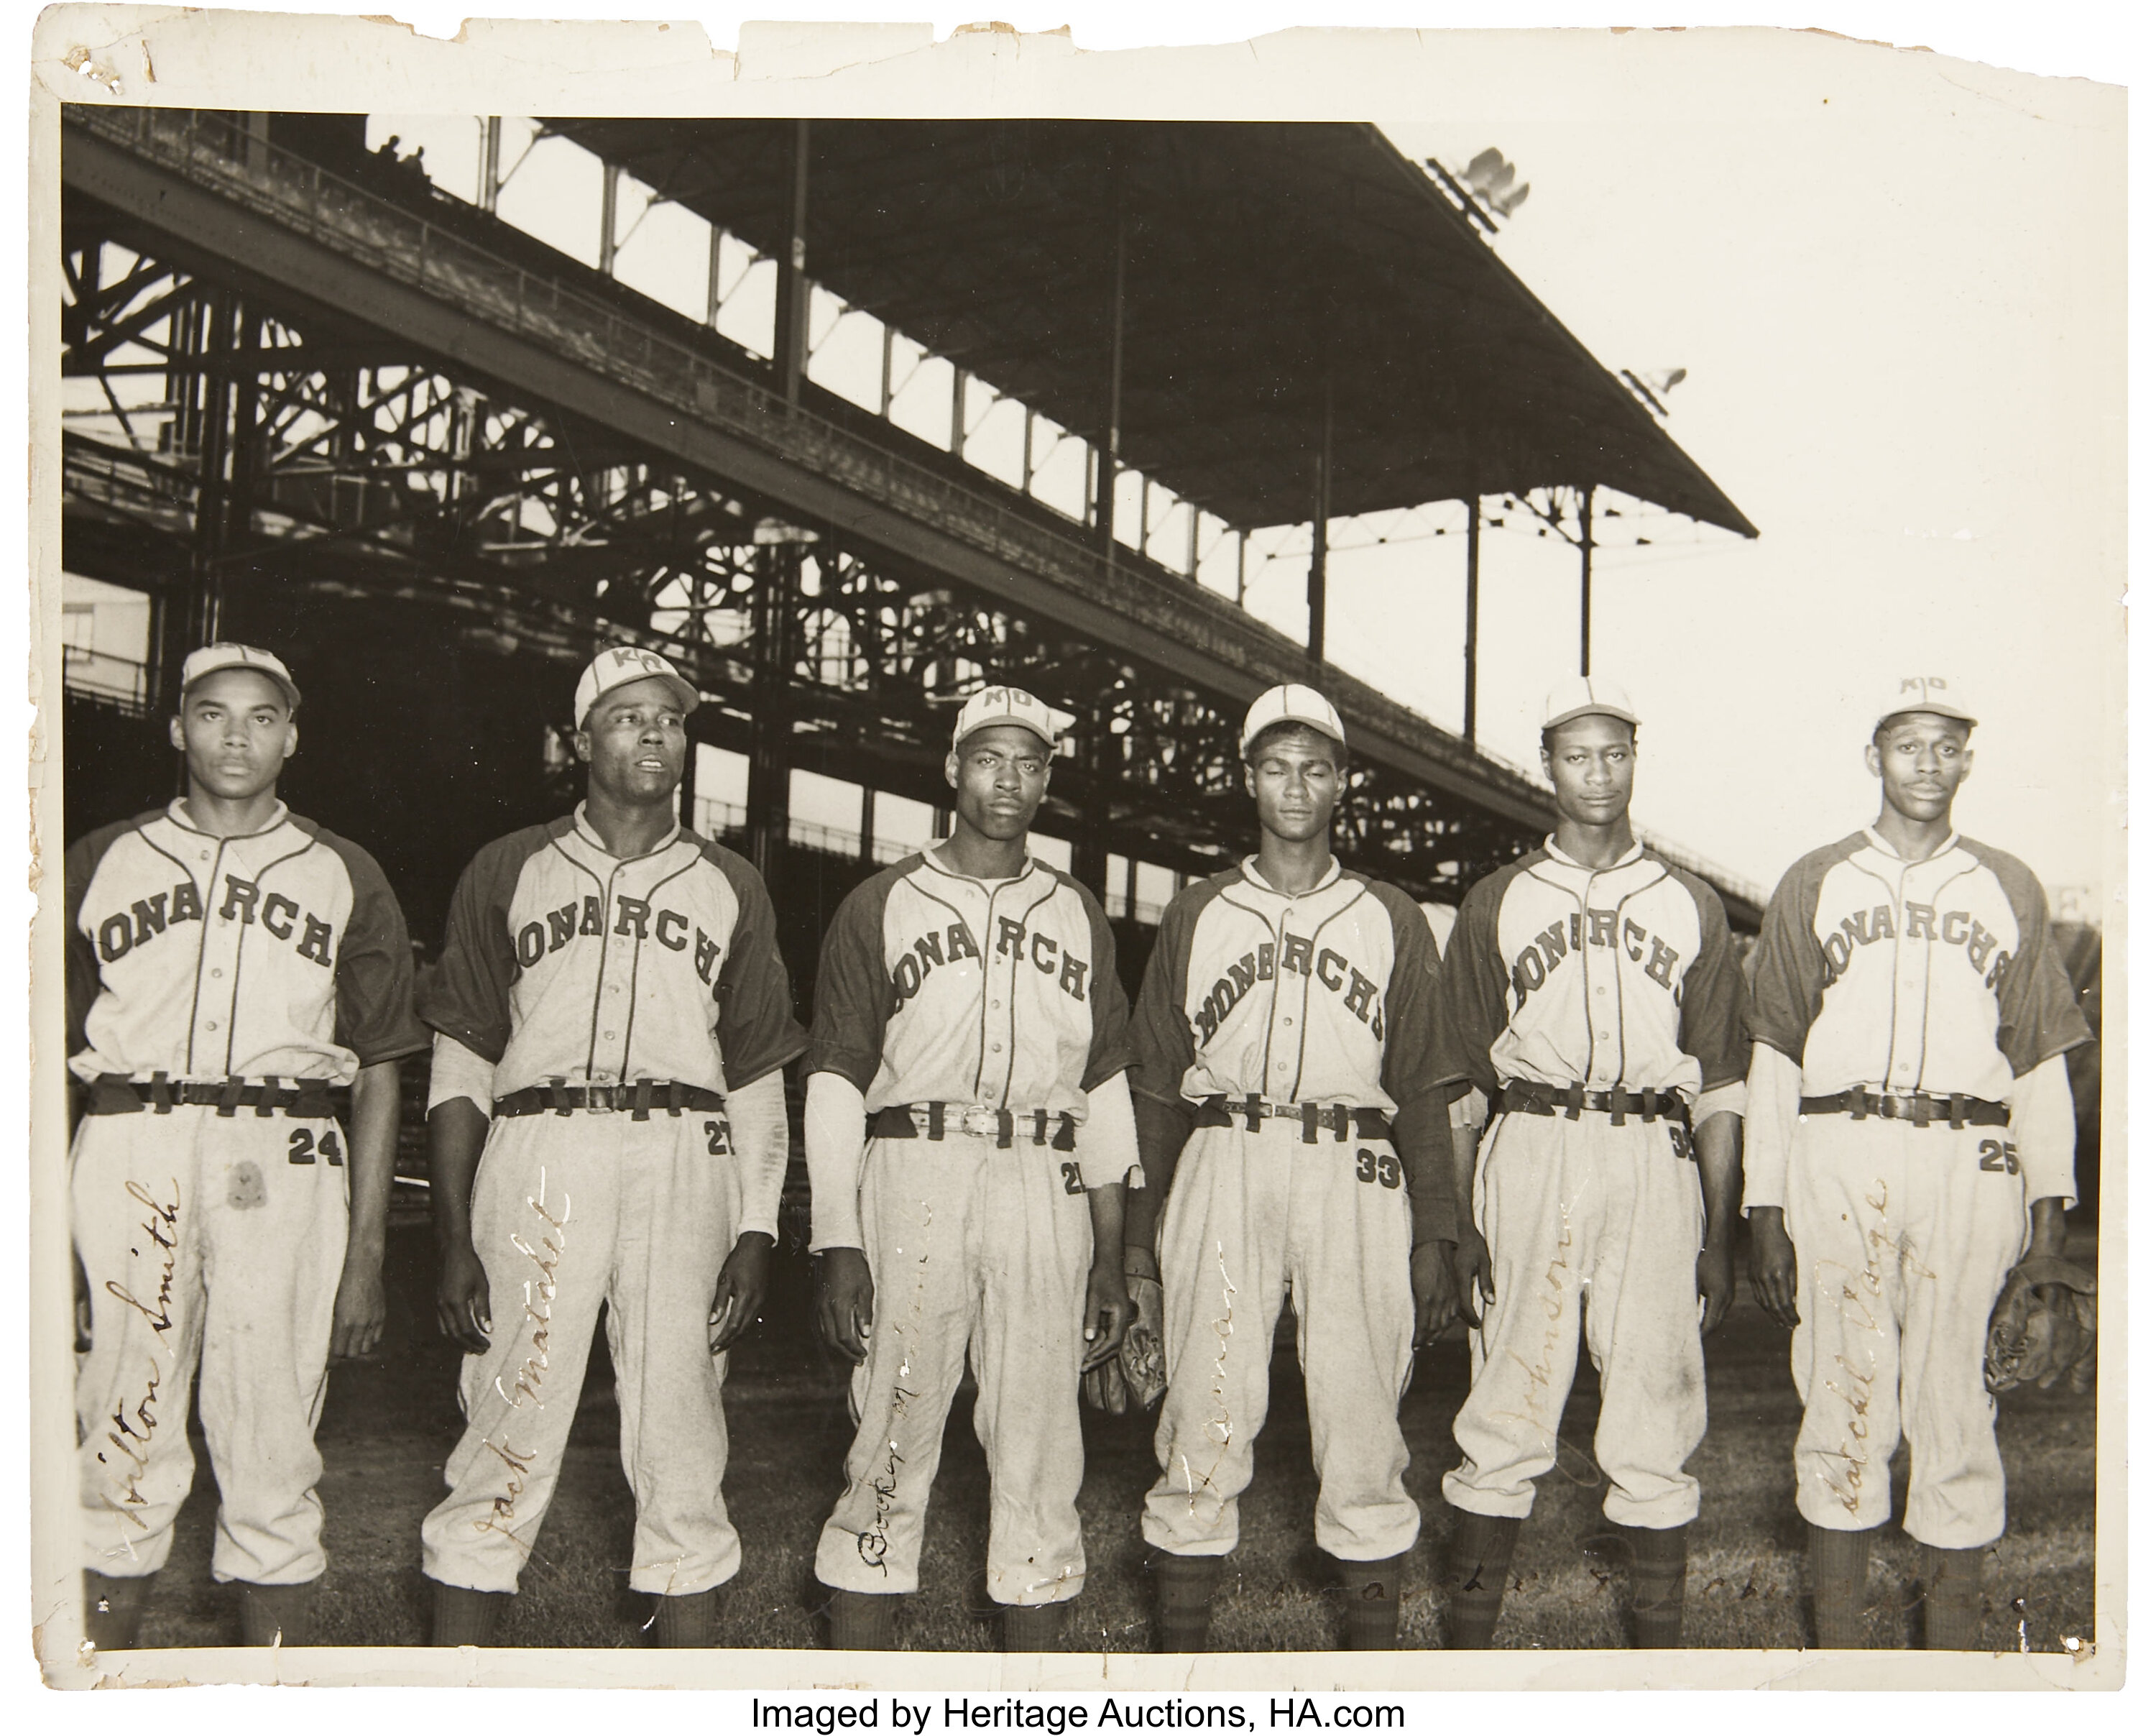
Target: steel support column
(1586, 572)
(789, 335)
(1474, 610)
(771, 756)
(1110, 460)
(1321, 513)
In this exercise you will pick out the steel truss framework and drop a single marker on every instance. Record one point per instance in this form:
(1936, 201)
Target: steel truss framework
(214, 440)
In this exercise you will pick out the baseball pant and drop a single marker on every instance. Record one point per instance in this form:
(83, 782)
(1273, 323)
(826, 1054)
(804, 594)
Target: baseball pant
(1250, 1218)
(981, 1252)
(568, 1212)
(1576, 1209)
(1904, 1236)
(216, 1240)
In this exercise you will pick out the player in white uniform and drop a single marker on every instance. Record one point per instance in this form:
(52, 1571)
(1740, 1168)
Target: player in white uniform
(967, 1006)
(1911, 1132)
(234, 974)
(1593, 999)
(611, 1015)
(1290, 1117)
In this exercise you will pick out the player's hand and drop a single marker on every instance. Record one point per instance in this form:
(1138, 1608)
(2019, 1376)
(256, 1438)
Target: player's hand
(1430, 1279)
(361, 1311)
(82, 1345)
(461, 1305)
(744, 1282)
(1716, 1277)
(1472, 1287)
(1109, 1312)
(1773, 1264)
(845, 1301)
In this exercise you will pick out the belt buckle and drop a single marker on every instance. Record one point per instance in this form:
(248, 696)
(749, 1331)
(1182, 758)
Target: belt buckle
(978, 1121)
(598, 1099)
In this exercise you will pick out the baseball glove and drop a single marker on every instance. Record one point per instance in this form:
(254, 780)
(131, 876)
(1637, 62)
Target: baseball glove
(2043, 1326)
(1137, 1374)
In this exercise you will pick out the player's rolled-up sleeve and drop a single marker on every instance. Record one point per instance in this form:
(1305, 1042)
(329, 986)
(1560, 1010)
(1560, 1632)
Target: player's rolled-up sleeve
(855, 998)
(374, 1015)
(757, 1032)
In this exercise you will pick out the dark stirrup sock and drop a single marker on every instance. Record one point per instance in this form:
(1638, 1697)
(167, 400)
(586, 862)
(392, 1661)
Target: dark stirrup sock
(1480, 1563)
(862, 1621)
(1952, 1581)
(465, 1617)
(112, 1609)
(1183, 1599)
(1374, 1603)
(277, 1615)
(1658, 1585)
(1841, 1566)
(1034, 1627)
(692, 1620)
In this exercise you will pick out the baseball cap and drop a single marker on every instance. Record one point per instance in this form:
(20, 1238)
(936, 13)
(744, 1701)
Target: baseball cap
(1004, 705)
(228, 653)
(1937, 693)
(1291, 703)
(617, 666)
(1588, 696)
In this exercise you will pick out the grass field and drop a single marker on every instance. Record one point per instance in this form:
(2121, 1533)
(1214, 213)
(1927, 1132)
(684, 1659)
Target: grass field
(389, 1423)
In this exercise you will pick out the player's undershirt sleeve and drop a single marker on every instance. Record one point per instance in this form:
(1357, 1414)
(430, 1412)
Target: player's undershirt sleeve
(2039, 1014)
(1772, 1092)
(758, 1031)
(1711, 1024)
(1788, 966)
(374, 1015)
(854, 996)
(2040, 1110)
(1111, 1051)
(1472, 1007)
(466, 995)
(1161, 1035)
(1410, 1071)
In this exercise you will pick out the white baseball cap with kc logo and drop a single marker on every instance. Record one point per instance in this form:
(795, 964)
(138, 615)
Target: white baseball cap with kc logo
(229, 654)
(1583, 696)
(1936, 694)
(1291, 703)
(617, 666)
(1004, 705)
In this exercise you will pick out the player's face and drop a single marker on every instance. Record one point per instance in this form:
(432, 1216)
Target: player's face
(237, 731)
(636, 742)
(1295, 777)
(999, 774)
(1920, 759)
(1590, 761)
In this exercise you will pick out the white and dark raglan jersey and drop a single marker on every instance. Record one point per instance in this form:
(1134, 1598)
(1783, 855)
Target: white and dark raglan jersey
(280, 954)
(1932, 977)
(1328, 996)
(936, 988)
(564, 963)
(1619, 978)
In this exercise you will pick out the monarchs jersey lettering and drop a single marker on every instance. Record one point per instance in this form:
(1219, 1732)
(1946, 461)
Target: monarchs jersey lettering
(563, 961)
(1935, 977)
(1328, 996)
(936, 988)
(281, 953)
(1618, 976)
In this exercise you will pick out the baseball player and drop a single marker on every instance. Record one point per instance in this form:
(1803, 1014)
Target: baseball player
(1594, 1003)
(1290, 1118)
(238, 993)
(969, 1020)
(611, 1016)
(1910, 1136)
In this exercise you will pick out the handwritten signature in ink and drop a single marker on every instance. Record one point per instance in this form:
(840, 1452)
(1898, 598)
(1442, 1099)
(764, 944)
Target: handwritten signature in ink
(531, 1376)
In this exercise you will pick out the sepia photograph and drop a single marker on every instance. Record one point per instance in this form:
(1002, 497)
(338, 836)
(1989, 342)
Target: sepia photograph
(946, 846)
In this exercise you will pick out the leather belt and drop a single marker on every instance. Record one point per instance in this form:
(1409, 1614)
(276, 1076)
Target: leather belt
(301, 1099)
(975, 1121)
(1338, 1119)
(638, 1096)
(1530, 1097)
(1957, 1112)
